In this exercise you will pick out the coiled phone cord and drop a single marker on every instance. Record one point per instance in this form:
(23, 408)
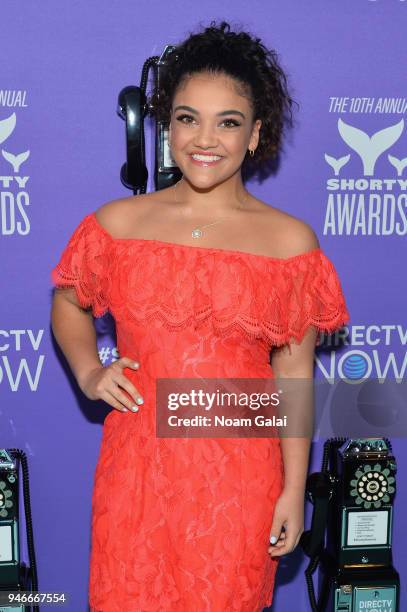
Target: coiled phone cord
(149, 63)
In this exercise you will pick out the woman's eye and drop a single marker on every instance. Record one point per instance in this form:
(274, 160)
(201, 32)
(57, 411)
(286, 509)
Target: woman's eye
(185, 118)
(230, 123)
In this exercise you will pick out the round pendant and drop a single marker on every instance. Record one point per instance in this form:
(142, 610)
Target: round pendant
(196, 233)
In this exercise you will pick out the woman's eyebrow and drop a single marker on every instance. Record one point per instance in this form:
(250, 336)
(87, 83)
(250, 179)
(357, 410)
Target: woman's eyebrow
(231, 112)
(223, 113)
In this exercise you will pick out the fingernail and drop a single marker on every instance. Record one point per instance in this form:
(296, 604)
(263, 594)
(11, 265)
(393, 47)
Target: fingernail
(273, 539)
(136, 364)
(134, 408)
(140, 400)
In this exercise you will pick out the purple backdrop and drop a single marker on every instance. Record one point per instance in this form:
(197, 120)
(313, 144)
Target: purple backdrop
(63, 65)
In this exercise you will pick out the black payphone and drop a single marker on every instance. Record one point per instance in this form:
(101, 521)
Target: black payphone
(352, 501)
(133, 108)
(15, 576)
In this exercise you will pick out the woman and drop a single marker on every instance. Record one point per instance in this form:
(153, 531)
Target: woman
(203, 280)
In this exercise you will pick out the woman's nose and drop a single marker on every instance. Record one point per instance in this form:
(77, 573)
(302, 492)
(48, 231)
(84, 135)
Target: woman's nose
(205, 137)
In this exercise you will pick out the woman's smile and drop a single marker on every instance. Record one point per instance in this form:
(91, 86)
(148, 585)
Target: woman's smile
(205, 159)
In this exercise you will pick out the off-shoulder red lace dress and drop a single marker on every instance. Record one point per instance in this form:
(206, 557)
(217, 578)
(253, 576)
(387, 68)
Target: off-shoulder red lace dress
(183, 524)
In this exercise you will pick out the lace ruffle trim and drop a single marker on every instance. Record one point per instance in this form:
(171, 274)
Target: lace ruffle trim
(83, 265)
(272, 299)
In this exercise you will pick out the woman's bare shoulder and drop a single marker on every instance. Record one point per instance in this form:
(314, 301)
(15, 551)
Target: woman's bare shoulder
(118, 215)
(292, 235)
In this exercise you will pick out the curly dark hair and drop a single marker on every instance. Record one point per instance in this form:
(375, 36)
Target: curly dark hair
(243, 57)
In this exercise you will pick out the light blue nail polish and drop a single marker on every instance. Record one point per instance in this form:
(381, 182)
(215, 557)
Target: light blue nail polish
(140, 400)
(134, 408)
(273, 539)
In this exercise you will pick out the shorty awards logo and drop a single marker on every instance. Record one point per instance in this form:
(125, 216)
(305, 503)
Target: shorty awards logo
(13, 194)
(362, 202)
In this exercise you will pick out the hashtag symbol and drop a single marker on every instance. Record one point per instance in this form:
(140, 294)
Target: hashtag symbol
(104, 354)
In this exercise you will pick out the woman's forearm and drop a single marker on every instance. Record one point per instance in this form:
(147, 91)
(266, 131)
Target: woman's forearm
(295, 452)
(75, 334)
(297, 405)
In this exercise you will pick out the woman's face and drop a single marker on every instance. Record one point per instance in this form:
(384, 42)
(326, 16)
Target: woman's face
(211, 129)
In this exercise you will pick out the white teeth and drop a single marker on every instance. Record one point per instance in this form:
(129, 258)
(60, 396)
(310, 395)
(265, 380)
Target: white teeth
(208, 158)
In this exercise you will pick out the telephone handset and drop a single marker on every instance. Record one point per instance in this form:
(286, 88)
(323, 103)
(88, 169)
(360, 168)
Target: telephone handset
(319, 491)
(131, 108)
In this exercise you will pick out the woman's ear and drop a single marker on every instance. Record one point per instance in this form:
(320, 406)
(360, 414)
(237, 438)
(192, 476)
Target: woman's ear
(255, 135)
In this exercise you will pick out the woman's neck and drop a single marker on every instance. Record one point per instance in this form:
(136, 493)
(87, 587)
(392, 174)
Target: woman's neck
(225, 198)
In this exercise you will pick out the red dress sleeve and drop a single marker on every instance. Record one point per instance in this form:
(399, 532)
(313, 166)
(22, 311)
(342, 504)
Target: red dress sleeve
(309, 293)
(83, 265)
(317, 297)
